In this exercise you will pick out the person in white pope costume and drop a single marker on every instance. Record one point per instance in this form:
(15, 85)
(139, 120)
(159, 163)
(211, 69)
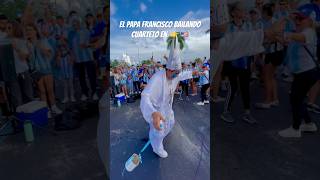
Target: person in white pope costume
(157, 98)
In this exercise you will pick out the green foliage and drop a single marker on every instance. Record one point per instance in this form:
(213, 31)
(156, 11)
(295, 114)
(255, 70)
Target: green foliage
(198, 60)
(172, 41)
(11, 8)
(115, 63)
(148, 62)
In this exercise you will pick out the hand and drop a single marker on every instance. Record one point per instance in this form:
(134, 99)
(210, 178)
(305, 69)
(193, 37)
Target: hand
(165, 57)
(279, 26)
(157, 117)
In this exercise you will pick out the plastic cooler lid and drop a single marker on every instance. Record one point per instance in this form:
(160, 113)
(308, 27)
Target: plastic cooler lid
(119, 95)
(31, 107)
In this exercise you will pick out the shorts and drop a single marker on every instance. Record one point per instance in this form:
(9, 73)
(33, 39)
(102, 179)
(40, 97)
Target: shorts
(318, 51)
(276, 58)
(227, 68)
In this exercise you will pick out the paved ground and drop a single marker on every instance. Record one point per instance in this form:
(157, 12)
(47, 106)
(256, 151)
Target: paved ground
(188, 158)
(250, 152)
(65, 156)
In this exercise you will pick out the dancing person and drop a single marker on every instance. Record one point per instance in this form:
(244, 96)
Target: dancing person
(157, 98)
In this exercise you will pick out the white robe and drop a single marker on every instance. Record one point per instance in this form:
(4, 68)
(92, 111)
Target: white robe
(158, 97)
(238, 44)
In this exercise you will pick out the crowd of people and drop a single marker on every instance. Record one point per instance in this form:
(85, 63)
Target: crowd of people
(131, 80)
(288, 34)
(51, 50)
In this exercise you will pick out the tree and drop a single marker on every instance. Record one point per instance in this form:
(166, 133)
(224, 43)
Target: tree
(148, 62)
(114, 63)
(11, 8)
(174, 38)
(198, 60)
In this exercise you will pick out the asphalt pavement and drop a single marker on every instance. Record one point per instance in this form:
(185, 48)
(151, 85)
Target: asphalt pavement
(250, 152)
(188, 145)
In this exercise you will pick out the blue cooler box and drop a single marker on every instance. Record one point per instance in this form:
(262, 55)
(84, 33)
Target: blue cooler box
(120, 97)
(36, 112)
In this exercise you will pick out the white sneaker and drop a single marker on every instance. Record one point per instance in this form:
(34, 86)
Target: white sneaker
(206, 102)
(227, 117)
(95, 97)
(290, 133)
(254, 75)
(84, 97)
(200, 103)
(247, 117)
(308, 127)
(263, 105)
(55, 109)
(288, 79)
(49, 115)
(65, 100)
(275, 103)
(73, 99)
(218, 99)
(161, 153)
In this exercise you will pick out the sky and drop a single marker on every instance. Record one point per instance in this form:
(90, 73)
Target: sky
(198, 42)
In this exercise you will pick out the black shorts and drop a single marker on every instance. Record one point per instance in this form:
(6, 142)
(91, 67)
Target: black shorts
(196, 79)
(227, 68)
(276, 58)
(318, 52)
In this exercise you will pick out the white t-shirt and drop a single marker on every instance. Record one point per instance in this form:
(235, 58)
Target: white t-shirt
(20, 64)
(299, 59)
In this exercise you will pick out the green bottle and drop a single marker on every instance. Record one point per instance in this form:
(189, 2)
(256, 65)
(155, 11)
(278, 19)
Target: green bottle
(0, 114)
(28, 131)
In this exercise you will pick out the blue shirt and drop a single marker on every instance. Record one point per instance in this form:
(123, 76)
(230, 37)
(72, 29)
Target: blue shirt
(76, 38)
(145, 78)
(298, 58)
(134, 74)
(99, 29)
(258, 25)
(38, 61)
(204, 79)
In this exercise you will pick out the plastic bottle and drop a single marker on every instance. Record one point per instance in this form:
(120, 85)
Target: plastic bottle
(132, 162)
(0, 114)
(28, 131)
(119, 103)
